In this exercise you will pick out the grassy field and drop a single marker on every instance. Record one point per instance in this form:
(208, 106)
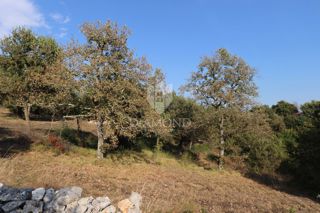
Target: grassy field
(166, 184)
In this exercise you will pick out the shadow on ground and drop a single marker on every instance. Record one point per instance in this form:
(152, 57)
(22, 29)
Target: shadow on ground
(283, 184)
(12, 143)
(79, 138)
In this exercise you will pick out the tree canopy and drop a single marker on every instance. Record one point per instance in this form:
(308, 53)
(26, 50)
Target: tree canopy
(31, 70)
(114, 81)
(219, 123)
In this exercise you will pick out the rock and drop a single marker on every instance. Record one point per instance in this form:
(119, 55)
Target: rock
(10, 206)
(84, 205)
(71, 207)
(85, 200)
(48, 195)
(135, 199)
(61, 198)
(109, 209)
(66, 200)
(48, 207)
(125, 205)
(131, 205)
(38, 194)
(33, 206)
(101, 203)
(67, 195)
(90, 209)
(10, 194)
(57, 209)
(81, 206)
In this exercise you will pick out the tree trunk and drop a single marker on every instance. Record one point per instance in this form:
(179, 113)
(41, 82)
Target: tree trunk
(158, 144)
(221, 143)
(78, 126)
(26, 111)
(157, 149)
(79, 133)
(100, 137)
(190, 145)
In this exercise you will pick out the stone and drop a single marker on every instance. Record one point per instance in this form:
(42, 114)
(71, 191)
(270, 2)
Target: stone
(33, 206)
(71, 207)
(85, 200)
(11, 194)
(135, 199)
(101, 203)
(90, 209)
(48, 197)
(67, 195)
(131, 205)
(125, 205)
(84, 205)
(48, 211)
(57, 208)
(109, 209)
(48, 207)
(38, 194)
(65, 200)
(13, 205)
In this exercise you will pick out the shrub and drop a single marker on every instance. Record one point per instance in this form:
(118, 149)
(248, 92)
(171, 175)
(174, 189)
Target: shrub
(58, 143)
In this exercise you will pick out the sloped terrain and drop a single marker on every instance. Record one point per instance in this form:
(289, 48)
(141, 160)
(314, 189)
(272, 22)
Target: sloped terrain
(166, 184)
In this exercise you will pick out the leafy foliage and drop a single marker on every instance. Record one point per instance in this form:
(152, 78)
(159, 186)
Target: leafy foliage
(189, 123)
(223, 82)
(32, 72)
(112, 81)
(102, 79)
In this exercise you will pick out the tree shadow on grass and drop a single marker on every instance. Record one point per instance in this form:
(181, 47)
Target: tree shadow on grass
(79, 138)
(126, 152)
(283, 184)
(12, 142)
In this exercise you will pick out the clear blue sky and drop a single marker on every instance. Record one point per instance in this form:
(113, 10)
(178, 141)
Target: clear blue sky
(280, 38)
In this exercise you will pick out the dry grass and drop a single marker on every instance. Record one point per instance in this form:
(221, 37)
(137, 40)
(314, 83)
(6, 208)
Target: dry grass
(167, 186)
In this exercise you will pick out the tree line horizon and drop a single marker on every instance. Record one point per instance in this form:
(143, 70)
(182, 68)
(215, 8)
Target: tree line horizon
(102, 78)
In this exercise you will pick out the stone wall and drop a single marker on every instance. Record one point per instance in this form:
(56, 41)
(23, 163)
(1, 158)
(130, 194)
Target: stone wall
(67, 200)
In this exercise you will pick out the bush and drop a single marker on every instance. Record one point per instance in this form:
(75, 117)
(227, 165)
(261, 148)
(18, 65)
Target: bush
(58, 144)
(265, 155)
(307, 160)
(251, 137)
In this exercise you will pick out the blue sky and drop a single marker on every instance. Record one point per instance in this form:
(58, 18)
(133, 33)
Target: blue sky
(280, 38)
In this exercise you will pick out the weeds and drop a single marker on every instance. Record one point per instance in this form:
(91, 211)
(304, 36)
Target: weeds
(60, 145)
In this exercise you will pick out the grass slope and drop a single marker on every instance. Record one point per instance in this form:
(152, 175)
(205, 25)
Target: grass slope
(166, 184)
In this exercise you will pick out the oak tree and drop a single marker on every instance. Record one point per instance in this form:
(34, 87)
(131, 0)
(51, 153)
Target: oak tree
(113, 80)
(223, 81)
(31, 70)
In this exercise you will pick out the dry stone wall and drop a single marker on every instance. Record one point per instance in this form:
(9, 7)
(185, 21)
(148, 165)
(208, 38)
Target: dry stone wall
(66, 200)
